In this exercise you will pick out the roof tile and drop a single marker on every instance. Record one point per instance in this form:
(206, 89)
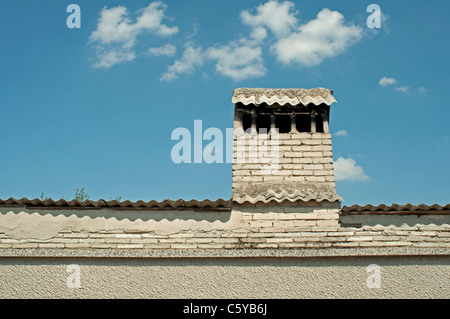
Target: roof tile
(292, 97)
(177, 204)
(395, 208)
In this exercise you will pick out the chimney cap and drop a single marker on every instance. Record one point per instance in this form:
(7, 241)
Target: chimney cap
(292, 97)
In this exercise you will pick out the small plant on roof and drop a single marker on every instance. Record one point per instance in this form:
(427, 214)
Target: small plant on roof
(81, 195)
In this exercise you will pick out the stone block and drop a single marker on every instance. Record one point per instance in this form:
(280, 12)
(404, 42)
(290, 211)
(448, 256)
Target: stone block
(312, 154)
(184, 246)
(266, 246)
(304, 223)
(315, 179)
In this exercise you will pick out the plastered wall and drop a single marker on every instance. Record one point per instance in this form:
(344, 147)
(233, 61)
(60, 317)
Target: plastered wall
(289, 251)
(329, 277)
(289, 226)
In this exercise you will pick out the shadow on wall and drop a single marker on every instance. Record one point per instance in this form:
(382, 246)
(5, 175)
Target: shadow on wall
(45, 224)
(394, 220)
(130, 215)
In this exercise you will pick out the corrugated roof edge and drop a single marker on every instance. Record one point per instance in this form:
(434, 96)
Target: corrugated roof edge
(179, 204)
(396, 209)
(219, 204)
(293, 97)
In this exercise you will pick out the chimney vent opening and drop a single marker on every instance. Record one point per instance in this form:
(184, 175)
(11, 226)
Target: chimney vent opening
(319, 123)
(246, 121)
(263, 122)
(303, 122)
(283, 123)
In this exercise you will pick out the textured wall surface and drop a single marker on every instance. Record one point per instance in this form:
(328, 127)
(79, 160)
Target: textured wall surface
(401, 277)
(117, 251)
(287, 226)
(286, 165)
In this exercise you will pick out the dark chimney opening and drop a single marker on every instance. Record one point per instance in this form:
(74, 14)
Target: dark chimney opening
(283, 123)
(246, 121)
(319, 123)
(303, 122)
(263, 122)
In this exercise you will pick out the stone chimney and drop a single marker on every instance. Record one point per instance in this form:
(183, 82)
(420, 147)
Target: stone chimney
(282, 146)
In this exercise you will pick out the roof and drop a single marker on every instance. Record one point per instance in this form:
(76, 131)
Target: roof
(396, 209)
(292, 97)
(271, 195)
(219, 204)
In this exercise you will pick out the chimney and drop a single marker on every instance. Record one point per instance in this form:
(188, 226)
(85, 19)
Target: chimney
(282, 147)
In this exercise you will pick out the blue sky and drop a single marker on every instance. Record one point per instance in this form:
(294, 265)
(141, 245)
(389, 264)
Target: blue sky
(95, 106)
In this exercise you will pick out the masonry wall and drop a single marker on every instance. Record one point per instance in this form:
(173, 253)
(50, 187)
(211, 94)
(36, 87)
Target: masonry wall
(291, 165)
(289, 251)
(244, 227)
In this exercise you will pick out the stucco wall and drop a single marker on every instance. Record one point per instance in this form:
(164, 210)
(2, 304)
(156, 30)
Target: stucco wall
(291, 226)
(289, 251)
(324, 277)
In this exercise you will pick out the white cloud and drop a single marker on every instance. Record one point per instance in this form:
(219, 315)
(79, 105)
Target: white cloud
(273, 26)
(402, 89)
(259, 34)
(194, 31)
(108, 58)
(324, 37)
(115, 36)
(238, 60)
(191, 58)
(279, 18)
(346, 169)
(422, 89)
(168, 50)
(385, 81)
(308, 44)
(385, 26)
(151, 19)
(341, 133)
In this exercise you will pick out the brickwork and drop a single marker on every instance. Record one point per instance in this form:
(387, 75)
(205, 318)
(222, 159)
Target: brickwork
(287, 227)
(303, 165)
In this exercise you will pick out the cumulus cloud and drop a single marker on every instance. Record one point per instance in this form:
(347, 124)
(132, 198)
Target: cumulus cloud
(321, 38)
(341, 133)
(385, 81)
(422, 89)
(238, 61)
(110, 57)
(116, 34)
(307, 44)
(279, 18)
(273, 27)
(403, 88)
(168, 50)
(192, 57)
(346, 169)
